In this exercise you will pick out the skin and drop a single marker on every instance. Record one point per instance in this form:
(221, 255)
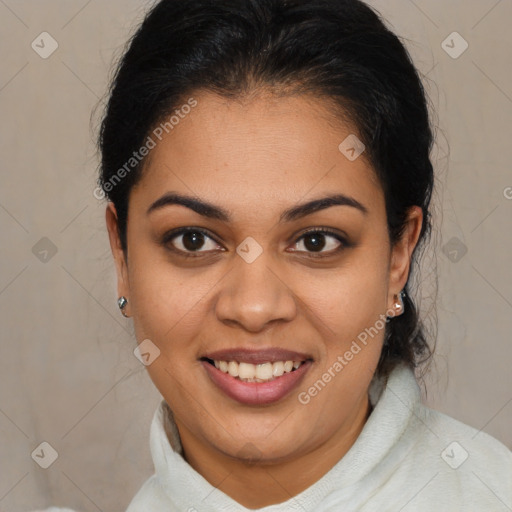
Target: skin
(256, 158)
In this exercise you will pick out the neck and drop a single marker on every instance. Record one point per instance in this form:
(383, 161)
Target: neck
(244, 482)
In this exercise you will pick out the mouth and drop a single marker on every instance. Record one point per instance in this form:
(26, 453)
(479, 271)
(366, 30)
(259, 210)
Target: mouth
(248, 372)
(256, 377)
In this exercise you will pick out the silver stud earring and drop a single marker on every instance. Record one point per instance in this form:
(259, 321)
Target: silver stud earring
(121, 302)
(398, 306)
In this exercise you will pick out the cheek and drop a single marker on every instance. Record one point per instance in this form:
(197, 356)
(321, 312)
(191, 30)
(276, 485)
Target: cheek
(169, 303)
(168, 311)
(347, 311)
(344, 301)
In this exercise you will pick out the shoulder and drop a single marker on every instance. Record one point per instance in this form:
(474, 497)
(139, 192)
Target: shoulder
(477, 443)
(463, 464)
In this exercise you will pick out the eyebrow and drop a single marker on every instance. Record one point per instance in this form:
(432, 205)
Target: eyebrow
(216, 212)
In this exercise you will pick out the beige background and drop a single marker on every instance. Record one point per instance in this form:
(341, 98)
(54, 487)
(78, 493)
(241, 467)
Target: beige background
(69, 376)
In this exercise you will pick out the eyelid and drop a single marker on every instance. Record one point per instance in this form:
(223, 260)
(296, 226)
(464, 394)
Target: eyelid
(340, 235)
(323, 230)
(169, 236)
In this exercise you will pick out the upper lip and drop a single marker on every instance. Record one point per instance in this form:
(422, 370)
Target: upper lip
(260, 356)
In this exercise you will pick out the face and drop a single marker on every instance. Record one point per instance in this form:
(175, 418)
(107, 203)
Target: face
(253, 272)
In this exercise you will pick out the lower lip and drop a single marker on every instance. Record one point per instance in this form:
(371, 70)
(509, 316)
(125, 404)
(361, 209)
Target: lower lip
(256, 393)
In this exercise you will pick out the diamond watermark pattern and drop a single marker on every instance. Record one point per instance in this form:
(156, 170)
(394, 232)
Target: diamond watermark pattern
(146, 352)
(45, 455)
(454, 455)
(352, 147)
(454, 45)
(249, 249)
(44, 45)
(44, 250)
(454, 249)
(249, 452)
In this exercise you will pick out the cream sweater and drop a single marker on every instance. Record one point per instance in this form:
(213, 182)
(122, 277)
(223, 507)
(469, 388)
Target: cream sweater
(407, 458)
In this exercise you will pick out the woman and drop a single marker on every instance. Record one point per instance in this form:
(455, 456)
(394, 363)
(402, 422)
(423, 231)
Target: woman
(269, 183)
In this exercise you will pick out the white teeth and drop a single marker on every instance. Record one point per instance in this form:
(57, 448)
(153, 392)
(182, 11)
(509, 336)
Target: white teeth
(233, 368)
(246, 371)
(257, 372)
(278, 369)
(264, 371)
(288, 365)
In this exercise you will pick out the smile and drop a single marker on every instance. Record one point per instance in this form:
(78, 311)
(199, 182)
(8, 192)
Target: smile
(256, 384)
(264, 372)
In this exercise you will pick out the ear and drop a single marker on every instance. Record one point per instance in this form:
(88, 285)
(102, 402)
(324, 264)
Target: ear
(123, 288)
(401, 254)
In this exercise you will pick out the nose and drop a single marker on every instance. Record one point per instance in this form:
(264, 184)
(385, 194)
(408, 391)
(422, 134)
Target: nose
(254, 295)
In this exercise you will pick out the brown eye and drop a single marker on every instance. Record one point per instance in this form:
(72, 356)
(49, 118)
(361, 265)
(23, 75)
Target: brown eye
(193, 240)
(315, 241)
(189, 241)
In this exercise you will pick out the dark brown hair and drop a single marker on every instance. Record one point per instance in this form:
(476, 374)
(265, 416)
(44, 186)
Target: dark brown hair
(337, 49)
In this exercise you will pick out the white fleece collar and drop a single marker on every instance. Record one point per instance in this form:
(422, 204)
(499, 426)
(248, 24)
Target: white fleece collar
(184, 489)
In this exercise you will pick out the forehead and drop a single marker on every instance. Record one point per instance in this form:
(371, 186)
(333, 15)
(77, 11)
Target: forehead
(268, 146)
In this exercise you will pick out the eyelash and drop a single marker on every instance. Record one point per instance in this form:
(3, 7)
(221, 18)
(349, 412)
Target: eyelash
(168, 237)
